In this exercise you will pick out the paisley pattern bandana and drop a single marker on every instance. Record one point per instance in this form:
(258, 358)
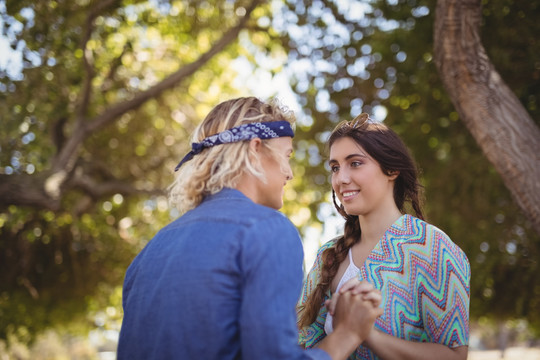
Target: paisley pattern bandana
(261, 130)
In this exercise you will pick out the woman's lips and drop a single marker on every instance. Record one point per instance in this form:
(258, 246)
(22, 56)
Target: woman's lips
(347, 195)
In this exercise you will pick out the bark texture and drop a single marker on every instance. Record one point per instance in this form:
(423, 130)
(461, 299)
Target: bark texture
(501, 126)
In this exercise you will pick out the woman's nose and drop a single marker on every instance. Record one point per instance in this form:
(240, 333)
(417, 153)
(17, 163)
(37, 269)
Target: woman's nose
(343, 177)
(289, 174)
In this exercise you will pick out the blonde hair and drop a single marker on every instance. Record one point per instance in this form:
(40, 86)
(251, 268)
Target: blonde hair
(222, 165)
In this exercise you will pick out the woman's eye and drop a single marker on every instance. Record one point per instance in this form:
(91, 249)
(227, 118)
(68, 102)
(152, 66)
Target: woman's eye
(334, 169)
(356, 163)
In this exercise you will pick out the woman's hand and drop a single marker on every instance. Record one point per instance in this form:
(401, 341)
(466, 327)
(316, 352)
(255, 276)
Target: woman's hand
(356, 287)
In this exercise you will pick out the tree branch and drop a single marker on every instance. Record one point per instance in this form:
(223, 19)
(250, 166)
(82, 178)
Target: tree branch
(65, 159)
(88, 58)
(45, 190)
(113, 68)
(98, 190)
(174, 79)
(26, 190)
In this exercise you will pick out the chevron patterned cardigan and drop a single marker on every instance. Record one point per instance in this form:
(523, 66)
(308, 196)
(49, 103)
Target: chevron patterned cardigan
(424, 279)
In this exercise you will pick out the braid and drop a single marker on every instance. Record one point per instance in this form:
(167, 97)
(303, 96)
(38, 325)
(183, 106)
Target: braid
(331, 259)
(392, 155)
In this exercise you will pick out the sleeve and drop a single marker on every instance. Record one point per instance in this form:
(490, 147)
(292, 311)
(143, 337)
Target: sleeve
(271, 262)
(445, 299)
(311, 335)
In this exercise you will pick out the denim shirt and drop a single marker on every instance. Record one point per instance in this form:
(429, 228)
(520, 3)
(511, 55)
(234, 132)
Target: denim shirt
(221, 282)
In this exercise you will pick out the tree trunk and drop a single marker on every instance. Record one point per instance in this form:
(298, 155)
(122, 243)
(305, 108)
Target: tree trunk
(493, 114)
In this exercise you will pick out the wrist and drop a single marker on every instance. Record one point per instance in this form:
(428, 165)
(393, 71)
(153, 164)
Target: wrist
(352, 339)
(372, 339)
(340, 344)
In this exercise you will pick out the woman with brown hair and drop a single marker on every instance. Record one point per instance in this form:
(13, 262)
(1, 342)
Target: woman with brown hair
(422, 275)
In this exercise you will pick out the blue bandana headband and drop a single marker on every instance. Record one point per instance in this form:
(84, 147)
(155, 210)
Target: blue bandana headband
(261, 130)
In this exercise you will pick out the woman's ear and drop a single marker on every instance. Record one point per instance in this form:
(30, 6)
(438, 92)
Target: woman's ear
(255, 148)
(393, 174)
(255, 145)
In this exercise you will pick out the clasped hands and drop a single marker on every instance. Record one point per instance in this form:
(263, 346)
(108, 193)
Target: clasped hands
(355, 307)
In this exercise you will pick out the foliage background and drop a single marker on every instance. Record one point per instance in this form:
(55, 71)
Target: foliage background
(62, 268)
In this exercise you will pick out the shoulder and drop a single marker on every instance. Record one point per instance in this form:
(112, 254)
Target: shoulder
(231, 207)
(438, 241)
(415, 228)
(236, 223)
(327, 245)
(440, 238)
(330, 243)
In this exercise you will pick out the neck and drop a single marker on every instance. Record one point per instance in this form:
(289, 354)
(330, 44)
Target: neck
(247, 186)
(375, 224)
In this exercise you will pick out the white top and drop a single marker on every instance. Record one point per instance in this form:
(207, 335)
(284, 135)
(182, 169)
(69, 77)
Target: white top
(352, 271)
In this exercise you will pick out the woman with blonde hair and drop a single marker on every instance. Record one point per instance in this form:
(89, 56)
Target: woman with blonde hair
(424, 277)
(221, 281)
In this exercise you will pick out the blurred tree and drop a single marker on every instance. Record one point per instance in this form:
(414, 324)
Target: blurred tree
(378, 57)
(493, 114)
(102, 40)
(106, 88)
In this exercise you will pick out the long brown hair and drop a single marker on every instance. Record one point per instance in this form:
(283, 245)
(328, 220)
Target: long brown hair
(385, 147)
